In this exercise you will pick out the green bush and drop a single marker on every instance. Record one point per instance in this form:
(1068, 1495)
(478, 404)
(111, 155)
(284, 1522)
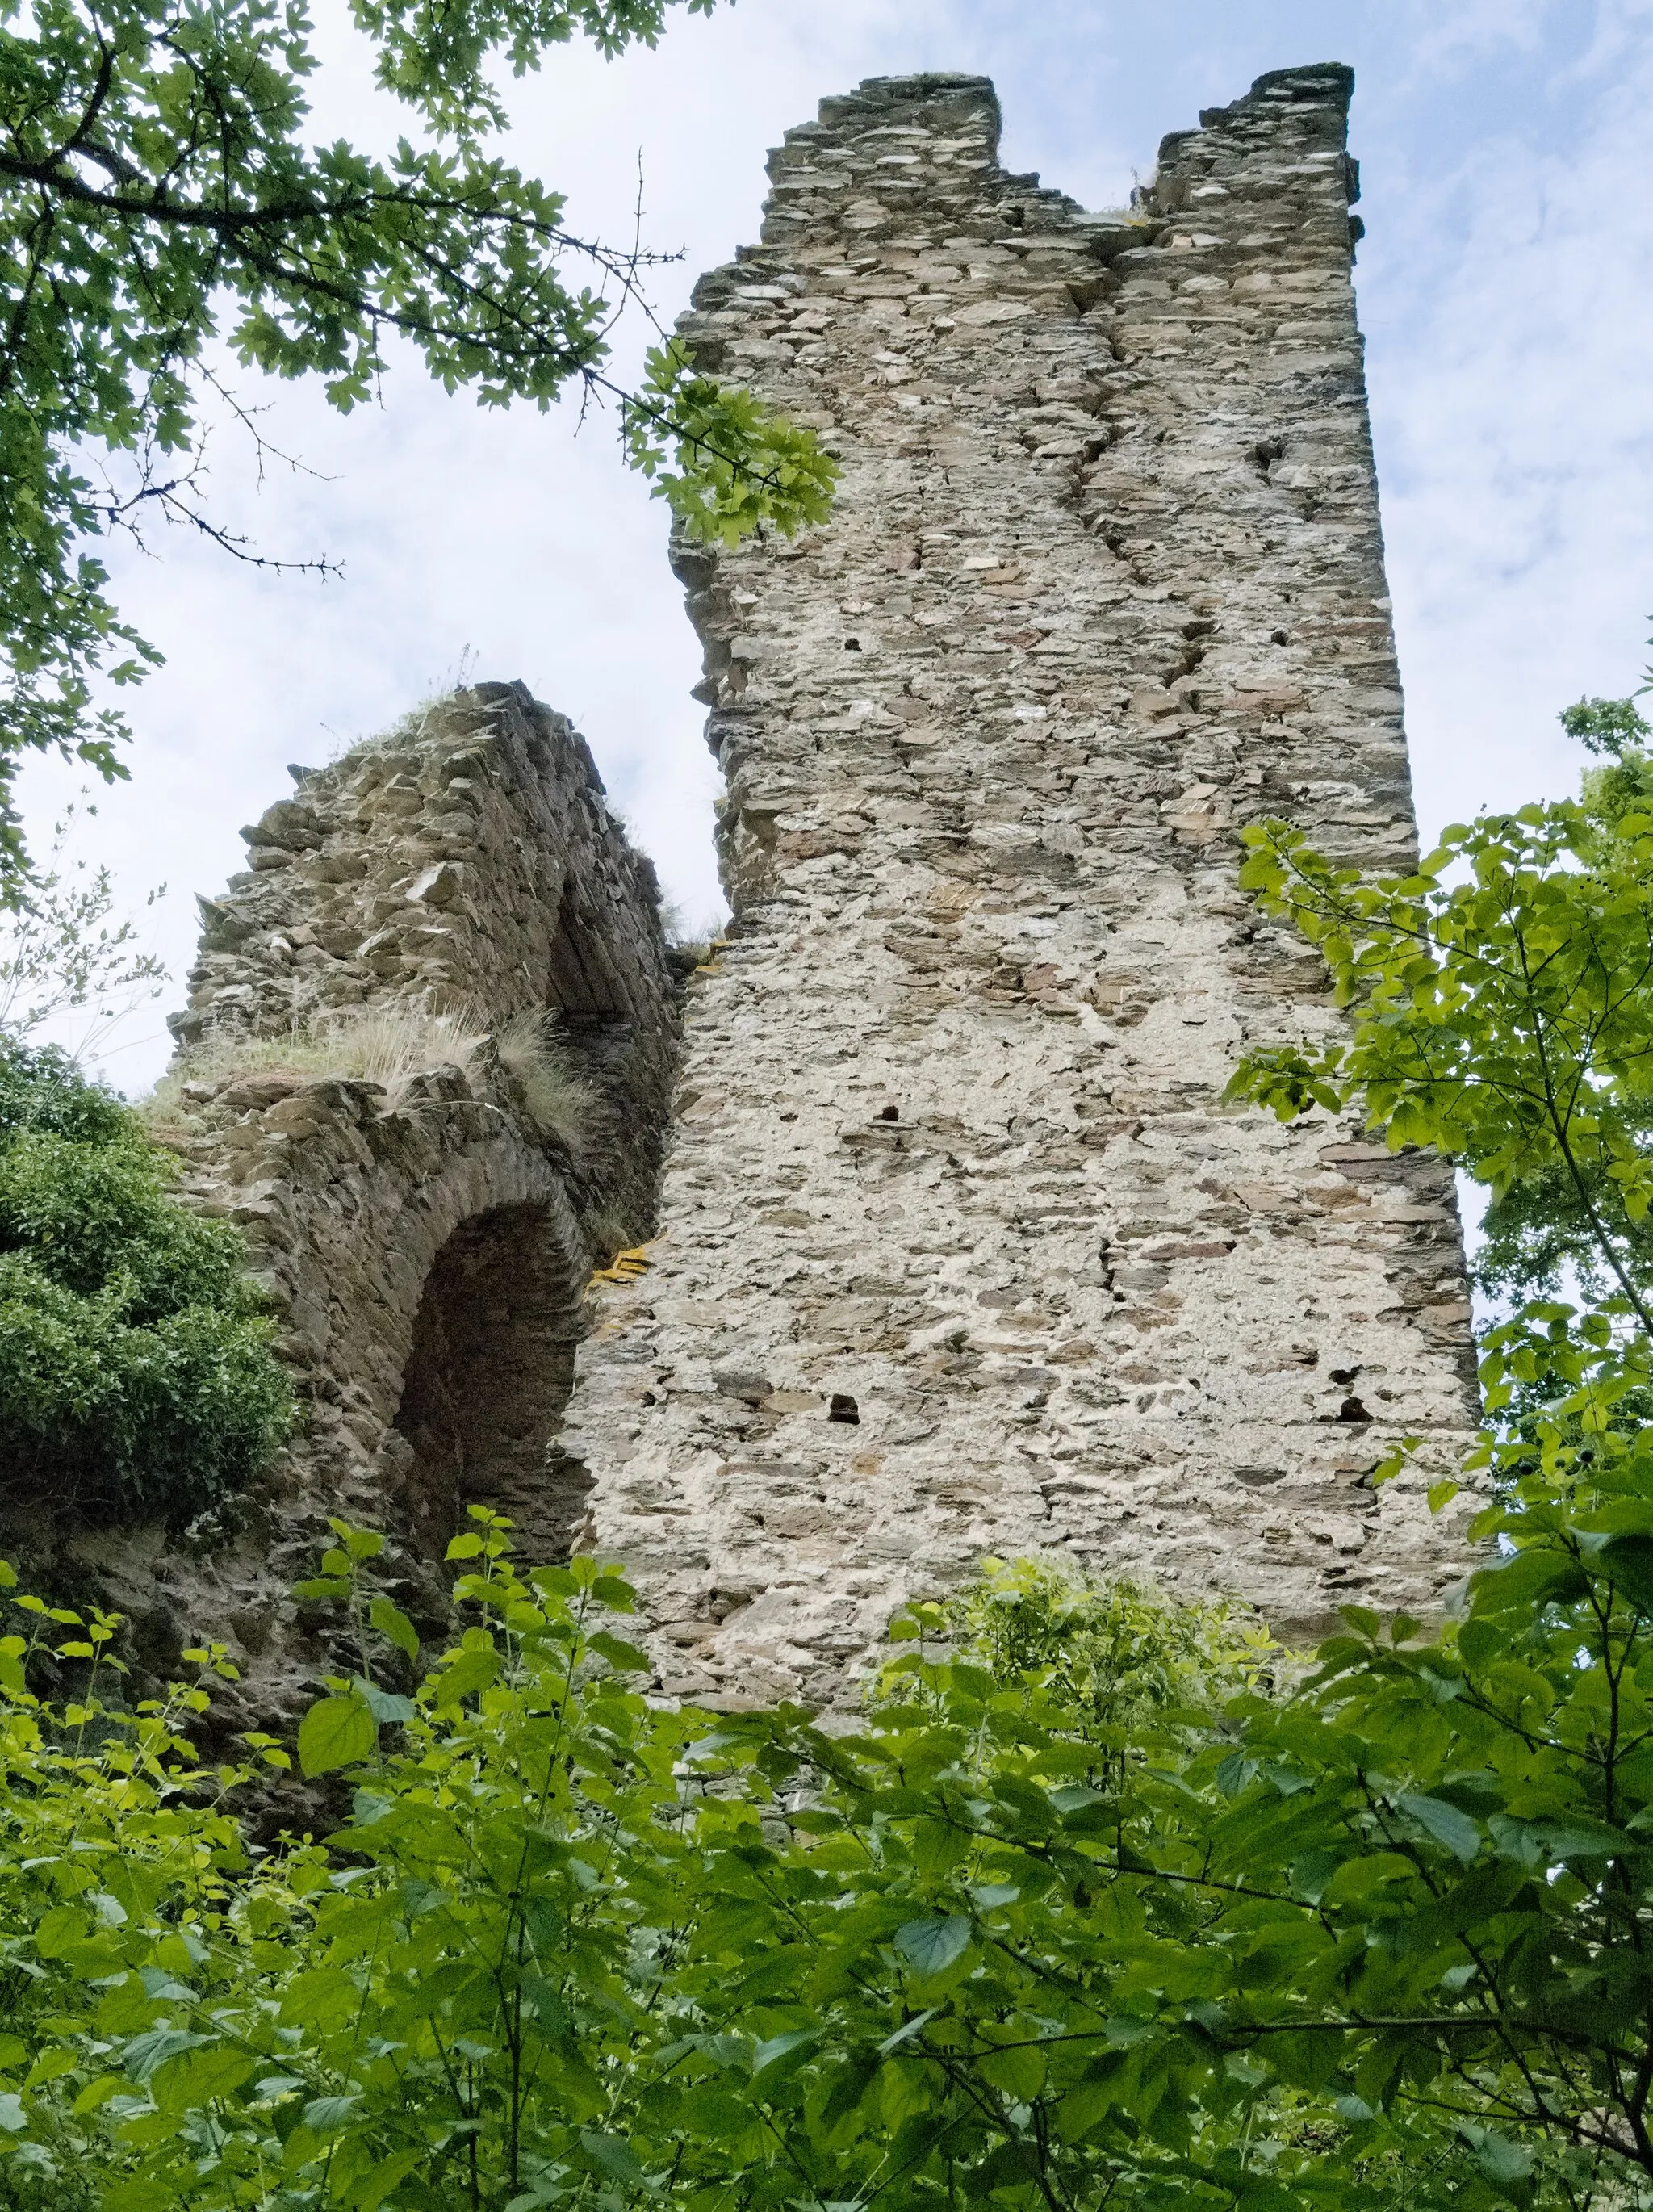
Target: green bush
(136, 1373)
(1114, 1650)
(1372, 1941)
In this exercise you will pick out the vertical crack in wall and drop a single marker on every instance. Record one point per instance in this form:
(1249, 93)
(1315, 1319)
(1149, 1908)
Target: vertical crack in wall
(962, 1252)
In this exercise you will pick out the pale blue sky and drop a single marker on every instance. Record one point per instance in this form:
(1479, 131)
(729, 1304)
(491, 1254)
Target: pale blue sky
(1503, 285)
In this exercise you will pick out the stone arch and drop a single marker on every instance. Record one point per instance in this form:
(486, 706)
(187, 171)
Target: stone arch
(454, 1268)
(424, 1236)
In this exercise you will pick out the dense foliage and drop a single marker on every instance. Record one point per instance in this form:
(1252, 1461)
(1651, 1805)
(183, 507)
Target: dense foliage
(163, 216)
(1502, 1013)
(1035, 1934)
(136, 1373)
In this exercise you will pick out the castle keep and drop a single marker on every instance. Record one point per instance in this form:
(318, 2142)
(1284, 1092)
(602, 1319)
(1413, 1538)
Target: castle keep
(955, 1251)
(959, 1252)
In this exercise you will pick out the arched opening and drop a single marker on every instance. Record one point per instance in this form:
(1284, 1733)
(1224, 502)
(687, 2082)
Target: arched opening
(487, 1379)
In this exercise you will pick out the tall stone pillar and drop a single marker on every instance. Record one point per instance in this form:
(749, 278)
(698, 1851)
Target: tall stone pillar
(960, 1252)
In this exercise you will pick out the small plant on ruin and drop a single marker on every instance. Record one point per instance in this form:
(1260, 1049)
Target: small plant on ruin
(410, 728)
(387, 1044)
(1112, 1647)
(611, 1237)
(390, 1045)
(135, 1369)
(558, 1103)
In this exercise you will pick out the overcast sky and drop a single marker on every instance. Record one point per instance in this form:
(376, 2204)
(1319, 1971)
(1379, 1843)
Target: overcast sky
(1505, 288)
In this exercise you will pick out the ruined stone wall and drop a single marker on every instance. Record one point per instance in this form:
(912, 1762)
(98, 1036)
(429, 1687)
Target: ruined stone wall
(425, 1239)
(961, 1252)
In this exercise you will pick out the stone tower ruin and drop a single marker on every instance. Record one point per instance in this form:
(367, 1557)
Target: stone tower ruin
(957, 1250)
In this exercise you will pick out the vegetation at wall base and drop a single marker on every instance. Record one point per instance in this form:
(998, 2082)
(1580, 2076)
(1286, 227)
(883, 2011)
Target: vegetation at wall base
(1038, 1933)
(136, 1376)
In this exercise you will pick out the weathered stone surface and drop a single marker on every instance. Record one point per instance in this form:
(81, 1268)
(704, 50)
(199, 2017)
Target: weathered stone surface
(426, 1252)
(961, 1252)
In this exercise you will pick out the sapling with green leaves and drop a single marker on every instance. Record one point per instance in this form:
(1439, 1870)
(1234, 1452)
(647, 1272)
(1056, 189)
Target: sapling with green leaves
(1500, 1006)
(63, 954)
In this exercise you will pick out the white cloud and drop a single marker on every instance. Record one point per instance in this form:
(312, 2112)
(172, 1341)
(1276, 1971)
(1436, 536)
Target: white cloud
(1511, 320)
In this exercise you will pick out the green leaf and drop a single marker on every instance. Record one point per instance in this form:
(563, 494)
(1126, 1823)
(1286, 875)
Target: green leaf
(1019, 2070)
(97, 2094)
(336, 1732)
(463, 1676)
(197, 2076)
(1078, 1798)
(385, 1705)
(615, 2157)
(145, 2053)
(1629, 1560)
(386, 2177)
(360, 1543)
(326, 2117)
(1445, 1823)
(394, 1626)
(624, 1658)
(907, 2032)
(59, 1927)
(930, 1946)
(1550, 1843)
(1507, 2164)
(767, 2054)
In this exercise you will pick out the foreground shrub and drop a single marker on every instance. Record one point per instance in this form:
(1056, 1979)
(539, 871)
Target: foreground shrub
(136, 1373)
(1377, 1942)
(442, 2009)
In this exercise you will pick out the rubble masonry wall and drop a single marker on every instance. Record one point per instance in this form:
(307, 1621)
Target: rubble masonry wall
(960, 1252)
(426, 1244)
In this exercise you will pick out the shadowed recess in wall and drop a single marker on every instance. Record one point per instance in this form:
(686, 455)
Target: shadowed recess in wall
(487, 1379)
